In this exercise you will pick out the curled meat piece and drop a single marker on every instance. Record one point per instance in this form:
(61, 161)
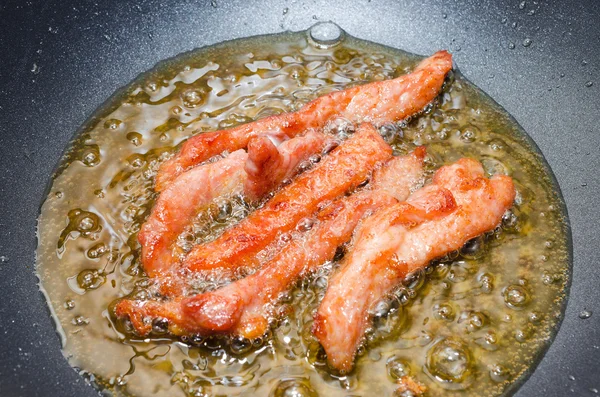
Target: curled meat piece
(245, 306)
(377, 103)
(344, 168)
(252, 174)
(268, 165)
(459, 205)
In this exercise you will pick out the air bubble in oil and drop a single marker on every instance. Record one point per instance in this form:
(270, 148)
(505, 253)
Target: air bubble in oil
(90, 155)
(135, 138)
(499, 373)
(397, 368)
(516, 296)
(325, 35)
(192, 98)
(449, 362)
(293, 388)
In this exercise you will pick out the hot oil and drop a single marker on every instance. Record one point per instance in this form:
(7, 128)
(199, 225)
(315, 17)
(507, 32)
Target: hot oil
(473, 323)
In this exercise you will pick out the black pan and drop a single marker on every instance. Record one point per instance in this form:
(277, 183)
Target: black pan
(61, 59)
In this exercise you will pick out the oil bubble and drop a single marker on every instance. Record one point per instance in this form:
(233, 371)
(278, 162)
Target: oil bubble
(444, 311)
(388, 132)
(516, 296)
(96, 251)
(305, 225)
(160, 325)
(224, 211)
(585, 314)
(112, 124)
(397, 368)
(450, 364)
(486, 282)
(315, 158)
(474, 248)
(527, 42)
(489, 341)
(240, 345)
(69, 304)
(469, 134)
(522, 334)
(509, 220)
(193, 98)
(341, 127)
(473, 320)
(499, 373)
(80, 321)
(535, 317)
(493, 166)
(89, 279)
(293, 388)
(330, 146)
(325, 35)
(549, 278)
(90, 155)
(135, 138)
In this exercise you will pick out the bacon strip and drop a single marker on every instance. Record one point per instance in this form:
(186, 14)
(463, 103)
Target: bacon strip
(248, 173)
(460, 204)
(378, 103)
(180, 202)
(344, 168)
(245, 306)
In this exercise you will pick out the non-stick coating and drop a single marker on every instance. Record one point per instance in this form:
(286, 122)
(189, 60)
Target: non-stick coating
(62, 59)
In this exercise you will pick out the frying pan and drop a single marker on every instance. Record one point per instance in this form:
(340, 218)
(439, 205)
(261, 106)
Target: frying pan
(61, 59)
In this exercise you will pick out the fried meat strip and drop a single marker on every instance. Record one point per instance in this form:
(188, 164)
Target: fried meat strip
(377, 103)
(180, 202)
(245, 306)
(459, 205)
(249, 173)
(344, 168)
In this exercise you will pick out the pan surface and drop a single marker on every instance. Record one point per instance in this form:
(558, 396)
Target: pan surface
(62, 60)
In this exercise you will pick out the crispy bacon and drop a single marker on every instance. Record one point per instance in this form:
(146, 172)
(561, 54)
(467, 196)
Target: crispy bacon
(460, 204)
(180, 202)
(377, 103)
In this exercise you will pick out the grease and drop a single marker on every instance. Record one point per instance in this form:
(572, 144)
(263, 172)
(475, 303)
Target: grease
(471, 324)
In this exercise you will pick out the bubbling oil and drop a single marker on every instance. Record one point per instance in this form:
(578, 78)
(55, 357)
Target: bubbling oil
(472, 323)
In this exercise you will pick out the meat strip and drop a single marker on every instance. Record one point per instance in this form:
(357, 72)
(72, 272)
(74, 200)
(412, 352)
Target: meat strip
(459, 205)
(377, 103)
